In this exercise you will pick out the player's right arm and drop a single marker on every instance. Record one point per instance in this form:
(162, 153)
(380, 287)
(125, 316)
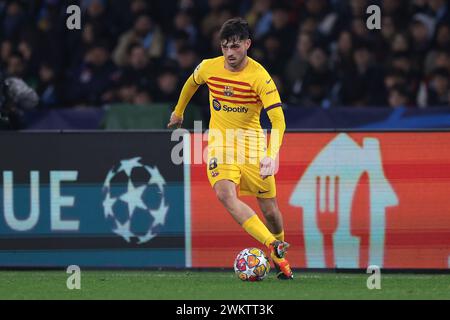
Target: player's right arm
(190, 87)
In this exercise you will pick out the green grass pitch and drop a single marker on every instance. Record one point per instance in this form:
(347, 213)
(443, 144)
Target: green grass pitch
(202, 285)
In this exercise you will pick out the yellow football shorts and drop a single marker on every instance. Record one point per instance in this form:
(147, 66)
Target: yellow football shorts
(246, 176)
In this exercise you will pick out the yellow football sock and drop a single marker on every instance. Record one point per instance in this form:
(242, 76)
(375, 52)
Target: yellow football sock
(279, 236)
(256, 228)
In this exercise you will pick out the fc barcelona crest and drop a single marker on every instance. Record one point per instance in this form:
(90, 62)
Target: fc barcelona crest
(228, 91)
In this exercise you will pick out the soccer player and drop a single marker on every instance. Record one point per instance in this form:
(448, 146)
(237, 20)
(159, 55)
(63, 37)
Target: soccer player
(239, 88)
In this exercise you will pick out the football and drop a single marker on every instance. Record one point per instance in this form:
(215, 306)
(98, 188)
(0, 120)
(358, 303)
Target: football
(251, 264)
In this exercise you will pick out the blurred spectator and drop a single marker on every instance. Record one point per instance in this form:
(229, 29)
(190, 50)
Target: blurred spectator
(187, 61)
(314, 88)
(297, 65)
(6, 49)
(397, 9)
(49, 87)
(219, 12)
(271, 53)
(13, 20)
(142, 97)
(185, 33)
(144, 32)
(383, 40)
(96, 14)
(359, 29)
(363, 83)
(15, 66)
(126, 12)
(283, 31)
(437, 59)
(442, 40)
(316, 9)
(27, 50)
(175, 42)
(402, 61)
(164, 11)
(183, 21)
(342, 55)
(214, 48)
(400, 43)
(79, 46)
(422, 30)
(398, 97)
(326, 20)
(138, 69)
(389, 27)
(419, 6)
(312, 48)
(309, 25)
(358, 8)
(167, 85)
(439, 10)
(259, 17)
(395, 77)
(126, 92)
(48, 37)
(92, 78)
(439, 88)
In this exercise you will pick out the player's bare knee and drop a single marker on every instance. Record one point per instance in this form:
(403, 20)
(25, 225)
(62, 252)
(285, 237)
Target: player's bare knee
(271, 214)
(269, 209)
(225, 196)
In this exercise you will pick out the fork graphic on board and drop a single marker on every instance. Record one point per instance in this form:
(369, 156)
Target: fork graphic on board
(328, 196)
(327, 214)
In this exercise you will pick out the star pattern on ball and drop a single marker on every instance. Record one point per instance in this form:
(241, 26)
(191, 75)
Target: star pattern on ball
(251, 264)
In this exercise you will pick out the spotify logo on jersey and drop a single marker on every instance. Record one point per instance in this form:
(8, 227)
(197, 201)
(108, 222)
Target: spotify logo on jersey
(216, 105)
(235, 109)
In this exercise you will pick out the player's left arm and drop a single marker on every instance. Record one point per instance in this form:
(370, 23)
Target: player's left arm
(276, 116)
(270, 97)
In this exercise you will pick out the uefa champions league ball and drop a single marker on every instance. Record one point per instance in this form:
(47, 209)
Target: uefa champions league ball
(251, 264)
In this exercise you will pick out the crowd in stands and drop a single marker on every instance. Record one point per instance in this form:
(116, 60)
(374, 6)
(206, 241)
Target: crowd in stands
(319, 52)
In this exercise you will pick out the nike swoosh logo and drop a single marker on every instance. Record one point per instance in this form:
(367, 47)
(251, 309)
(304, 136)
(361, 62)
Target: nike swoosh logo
(261, 192)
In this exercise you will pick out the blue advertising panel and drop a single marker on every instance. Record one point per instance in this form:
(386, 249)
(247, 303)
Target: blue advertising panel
(90, 199)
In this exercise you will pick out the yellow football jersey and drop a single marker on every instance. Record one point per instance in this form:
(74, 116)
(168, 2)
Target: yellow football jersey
(236, 100)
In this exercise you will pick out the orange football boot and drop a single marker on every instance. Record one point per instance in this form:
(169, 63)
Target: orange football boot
(278, 251)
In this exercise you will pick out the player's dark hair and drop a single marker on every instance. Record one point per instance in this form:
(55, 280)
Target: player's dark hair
(234, 29)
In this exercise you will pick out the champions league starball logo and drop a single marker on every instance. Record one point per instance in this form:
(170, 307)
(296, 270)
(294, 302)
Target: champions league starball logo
(134, 200)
